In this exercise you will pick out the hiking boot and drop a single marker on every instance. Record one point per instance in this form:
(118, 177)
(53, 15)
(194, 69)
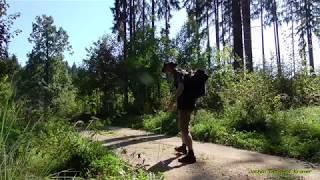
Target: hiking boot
(181, 149)
(188, 159)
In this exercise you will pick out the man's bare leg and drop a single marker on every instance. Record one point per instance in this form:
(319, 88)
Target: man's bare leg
(185, 120)
(185, 134)
(183, 147)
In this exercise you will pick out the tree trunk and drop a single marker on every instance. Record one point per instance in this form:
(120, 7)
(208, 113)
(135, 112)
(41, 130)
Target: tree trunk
(153, 7)
(278, 47)
(134, 20)
(216, 15)
(167, 27)
(230, 25)
(262, 37)
(208, 36)
(46, 79)
(245, 5)
(143, 14)
(309, 35)
(47, 74)
(167, 19)
(303, 50)
(216, 19)
(276, 36)
(153, 14)
(131, 20)
(126, 81)
(222, 27)
(197, 30)
(292, 41)
(237, 35)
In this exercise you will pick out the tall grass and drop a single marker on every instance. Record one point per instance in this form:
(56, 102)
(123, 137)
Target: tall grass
(13, 134)
(33, 146)
(53, 149)
(8, 119)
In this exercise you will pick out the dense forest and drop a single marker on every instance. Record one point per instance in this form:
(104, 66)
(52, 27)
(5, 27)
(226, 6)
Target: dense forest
(270, 106)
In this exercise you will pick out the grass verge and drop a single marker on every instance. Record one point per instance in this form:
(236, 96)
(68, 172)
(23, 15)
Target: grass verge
(293, 133)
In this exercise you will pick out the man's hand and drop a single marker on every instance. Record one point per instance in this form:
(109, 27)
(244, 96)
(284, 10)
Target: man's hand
(172, 107)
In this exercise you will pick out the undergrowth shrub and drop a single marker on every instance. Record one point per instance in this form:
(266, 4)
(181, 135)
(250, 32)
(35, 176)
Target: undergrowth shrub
(43, 148)
(55, 148)
(161, 122)
(249, 102)
(210, 128)
(306, 89)
(294, 133)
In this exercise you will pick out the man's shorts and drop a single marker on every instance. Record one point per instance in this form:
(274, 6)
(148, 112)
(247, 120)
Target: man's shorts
(185, 102)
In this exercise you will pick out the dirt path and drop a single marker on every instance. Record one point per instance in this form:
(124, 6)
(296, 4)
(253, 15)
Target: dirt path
(155, 153)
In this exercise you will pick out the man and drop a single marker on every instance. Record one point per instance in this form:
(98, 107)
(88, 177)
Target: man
(185, 106)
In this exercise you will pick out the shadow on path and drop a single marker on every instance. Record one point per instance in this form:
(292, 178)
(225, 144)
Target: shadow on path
(134, 141)
(163, 166)
(125, 138)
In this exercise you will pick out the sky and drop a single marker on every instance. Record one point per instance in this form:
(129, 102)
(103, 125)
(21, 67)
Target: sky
(87, 20)
(84, 20)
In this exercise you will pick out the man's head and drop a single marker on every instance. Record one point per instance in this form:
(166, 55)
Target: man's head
(169, 68)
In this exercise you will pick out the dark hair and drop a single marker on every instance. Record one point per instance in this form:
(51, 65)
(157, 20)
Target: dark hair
(170, 64)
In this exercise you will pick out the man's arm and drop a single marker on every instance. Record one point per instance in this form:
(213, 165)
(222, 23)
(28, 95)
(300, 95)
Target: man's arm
(179, 90)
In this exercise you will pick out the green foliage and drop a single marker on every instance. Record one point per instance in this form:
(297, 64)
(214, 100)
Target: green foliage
(101, 77)
(246, 100)
(6, 90)
(293, 133)
(58, 92)
(92, 104)
(60, 148)
(54, 146)
(49, 41)
(8, 117)
(162, 122)
(13, 128)
(188, 45)
(107, 71)
(306, 89)
(250, 111)
(108, 166)
(165, 89)
(6, 23)
(42, 149)
(217, 84)
(111, 167)
(208, 130)
(145, 64)
(9, 66)
(45, 81)
(61, 90)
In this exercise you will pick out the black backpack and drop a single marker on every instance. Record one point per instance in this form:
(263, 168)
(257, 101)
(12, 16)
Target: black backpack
(195, 84)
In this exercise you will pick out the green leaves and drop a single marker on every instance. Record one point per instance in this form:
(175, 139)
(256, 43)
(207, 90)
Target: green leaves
(45, 80)
(49, 41)
(6, 22)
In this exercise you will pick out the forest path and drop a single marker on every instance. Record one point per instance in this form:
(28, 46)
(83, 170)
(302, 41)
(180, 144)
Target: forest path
(155, 153)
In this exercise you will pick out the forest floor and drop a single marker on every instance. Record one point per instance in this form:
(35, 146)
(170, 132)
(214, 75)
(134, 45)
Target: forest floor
(155, 153)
